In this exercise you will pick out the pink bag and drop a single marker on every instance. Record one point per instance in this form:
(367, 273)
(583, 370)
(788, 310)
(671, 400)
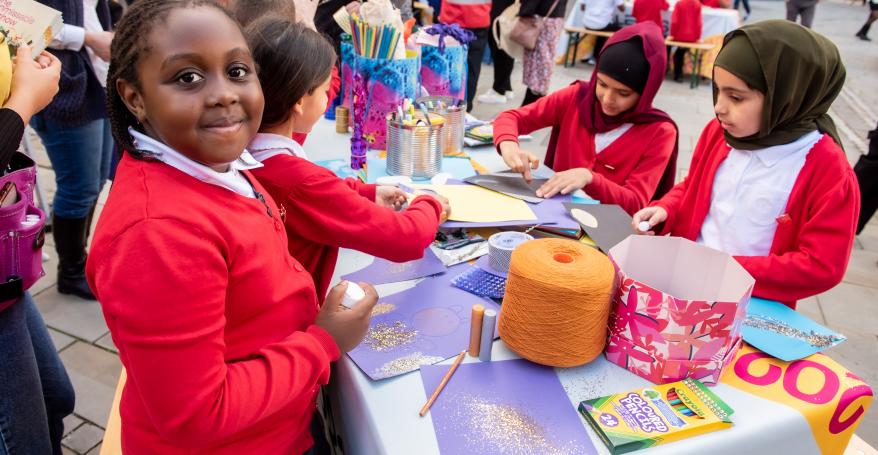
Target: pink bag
(21, 245)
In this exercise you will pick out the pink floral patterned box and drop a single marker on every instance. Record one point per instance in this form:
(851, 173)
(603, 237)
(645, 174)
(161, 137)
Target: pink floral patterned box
(677, 309)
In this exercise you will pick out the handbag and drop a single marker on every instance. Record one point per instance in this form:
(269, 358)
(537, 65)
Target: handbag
(21, 233)
(527, 30)
(502, 27)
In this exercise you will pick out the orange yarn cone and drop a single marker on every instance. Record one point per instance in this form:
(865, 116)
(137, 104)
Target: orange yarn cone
(557, 302)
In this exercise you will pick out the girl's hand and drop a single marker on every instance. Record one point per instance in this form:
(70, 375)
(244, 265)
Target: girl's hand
(565, 182)
(654, 215)
(34, 82)
(390, 197)
(446, 207)
(347, 327)
(518, 160)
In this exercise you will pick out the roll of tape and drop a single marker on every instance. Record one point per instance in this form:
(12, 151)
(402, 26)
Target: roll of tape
(500, 247)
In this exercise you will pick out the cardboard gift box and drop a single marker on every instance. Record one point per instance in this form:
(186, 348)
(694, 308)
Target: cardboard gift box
(678, 308)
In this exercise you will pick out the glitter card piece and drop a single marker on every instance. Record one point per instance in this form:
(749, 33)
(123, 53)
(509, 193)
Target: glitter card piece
(491, 408)
(419, 326)
(780, 331)
(382, 271)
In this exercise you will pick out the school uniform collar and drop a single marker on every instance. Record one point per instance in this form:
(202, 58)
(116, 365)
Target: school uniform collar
(770, 156)
(267, 145)
(232, 180)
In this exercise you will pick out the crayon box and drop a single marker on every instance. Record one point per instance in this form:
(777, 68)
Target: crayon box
(656, 415)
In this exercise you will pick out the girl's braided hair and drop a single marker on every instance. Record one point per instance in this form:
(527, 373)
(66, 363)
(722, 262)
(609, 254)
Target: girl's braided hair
(129, 44)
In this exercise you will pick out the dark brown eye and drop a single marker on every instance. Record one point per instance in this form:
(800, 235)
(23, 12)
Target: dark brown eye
(189, 78)
(239, 72)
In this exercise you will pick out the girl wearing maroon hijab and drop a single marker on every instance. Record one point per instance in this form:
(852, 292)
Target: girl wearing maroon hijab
(607, 139)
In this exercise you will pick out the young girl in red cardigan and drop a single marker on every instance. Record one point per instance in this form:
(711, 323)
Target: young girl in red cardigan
(607, 139)
(769, 182)
(217, 326)
(323, 212)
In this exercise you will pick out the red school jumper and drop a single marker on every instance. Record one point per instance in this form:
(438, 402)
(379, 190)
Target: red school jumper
(813, 241)
(686, 21)
(213, 320)
(649, 10)
(626, 173)
(325, 213)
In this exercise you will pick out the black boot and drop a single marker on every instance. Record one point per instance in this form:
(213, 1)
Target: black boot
(69, 236)
(862, 34)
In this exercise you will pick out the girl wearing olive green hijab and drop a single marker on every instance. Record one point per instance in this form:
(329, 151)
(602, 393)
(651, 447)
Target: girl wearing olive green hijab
(769, 182)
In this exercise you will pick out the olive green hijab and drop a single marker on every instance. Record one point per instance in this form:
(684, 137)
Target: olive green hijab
(799, 71)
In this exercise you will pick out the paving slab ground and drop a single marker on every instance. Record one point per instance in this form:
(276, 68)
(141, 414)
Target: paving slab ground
(81, 336)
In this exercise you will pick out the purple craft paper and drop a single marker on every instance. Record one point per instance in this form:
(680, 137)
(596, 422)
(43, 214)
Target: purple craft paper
(550, 212)
(505, 407)
(382, 271)
(422, 325)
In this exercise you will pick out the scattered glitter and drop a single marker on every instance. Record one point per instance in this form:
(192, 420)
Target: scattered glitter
(382, 308)
(506, 429)
(410, 362)
(385, 336)
(818, 340)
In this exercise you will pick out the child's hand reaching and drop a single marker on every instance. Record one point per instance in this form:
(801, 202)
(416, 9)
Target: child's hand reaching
(390, 197)
(347, 327)
(652, 216)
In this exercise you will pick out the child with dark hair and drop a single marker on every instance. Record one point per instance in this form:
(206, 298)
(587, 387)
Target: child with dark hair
(219, 329)
(246, 12)
(323, 212)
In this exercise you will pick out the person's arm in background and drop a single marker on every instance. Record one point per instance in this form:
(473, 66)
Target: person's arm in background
(34, 84)
(72, 38)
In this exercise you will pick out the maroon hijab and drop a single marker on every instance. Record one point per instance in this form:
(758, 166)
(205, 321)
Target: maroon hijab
(592, 116)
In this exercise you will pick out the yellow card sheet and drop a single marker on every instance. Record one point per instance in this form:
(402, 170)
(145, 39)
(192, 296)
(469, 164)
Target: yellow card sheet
(474, 204)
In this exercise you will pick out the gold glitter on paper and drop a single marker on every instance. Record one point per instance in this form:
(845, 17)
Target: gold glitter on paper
(410, 362)
(385, 336)
(383, 308)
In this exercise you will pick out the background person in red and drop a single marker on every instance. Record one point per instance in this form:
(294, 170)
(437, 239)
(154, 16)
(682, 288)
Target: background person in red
(607, 139)
(650, 10)
(768, 182)
(685, 27)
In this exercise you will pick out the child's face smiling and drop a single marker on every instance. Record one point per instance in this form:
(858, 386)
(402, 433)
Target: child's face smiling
(198, 91)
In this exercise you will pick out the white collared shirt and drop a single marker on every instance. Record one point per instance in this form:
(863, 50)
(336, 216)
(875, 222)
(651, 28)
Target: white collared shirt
(71, 37)
(603, 140)
(266, 145)
(750, 191)
(231, 180)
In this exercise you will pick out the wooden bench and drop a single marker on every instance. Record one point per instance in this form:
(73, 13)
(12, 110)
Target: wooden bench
(576, 34)
(112, 443)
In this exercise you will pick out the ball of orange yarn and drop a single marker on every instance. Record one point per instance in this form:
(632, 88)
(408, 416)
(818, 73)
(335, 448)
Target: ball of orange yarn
(557, 302)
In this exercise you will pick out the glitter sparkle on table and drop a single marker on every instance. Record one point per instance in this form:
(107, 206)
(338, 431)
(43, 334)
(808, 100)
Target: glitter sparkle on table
(811, 337)
(383, 308)
(405, 364)
(385, 336)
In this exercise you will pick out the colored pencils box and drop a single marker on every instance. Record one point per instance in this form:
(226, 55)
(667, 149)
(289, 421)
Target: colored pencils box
(656, 415)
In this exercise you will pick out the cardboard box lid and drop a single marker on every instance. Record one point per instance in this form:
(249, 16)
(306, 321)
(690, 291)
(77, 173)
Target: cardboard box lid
(682, 268)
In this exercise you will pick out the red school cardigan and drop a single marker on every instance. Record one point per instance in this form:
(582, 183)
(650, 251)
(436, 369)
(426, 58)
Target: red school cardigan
(686, 21)
(626, 173)
(814, 237)
(325, 213)
(213, 320)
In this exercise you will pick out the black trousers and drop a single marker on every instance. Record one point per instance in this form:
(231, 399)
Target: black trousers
(679, 55)
(867, 177)
(474, 64)
(503, 63)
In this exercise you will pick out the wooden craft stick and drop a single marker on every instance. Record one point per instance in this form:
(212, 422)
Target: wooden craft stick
(442, 383)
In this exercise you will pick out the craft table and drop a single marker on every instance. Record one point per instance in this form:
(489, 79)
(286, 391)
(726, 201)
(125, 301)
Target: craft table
(809, 406)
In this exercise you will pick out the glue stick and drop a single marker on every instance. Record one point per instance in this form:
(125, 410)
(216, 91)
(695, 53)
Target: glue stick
(643, 226)
(475, 332)
(353, 294)
(488, 322)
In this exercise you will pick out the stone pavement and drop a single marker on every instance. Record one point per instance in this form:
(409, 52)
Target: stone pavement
(81, 336)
